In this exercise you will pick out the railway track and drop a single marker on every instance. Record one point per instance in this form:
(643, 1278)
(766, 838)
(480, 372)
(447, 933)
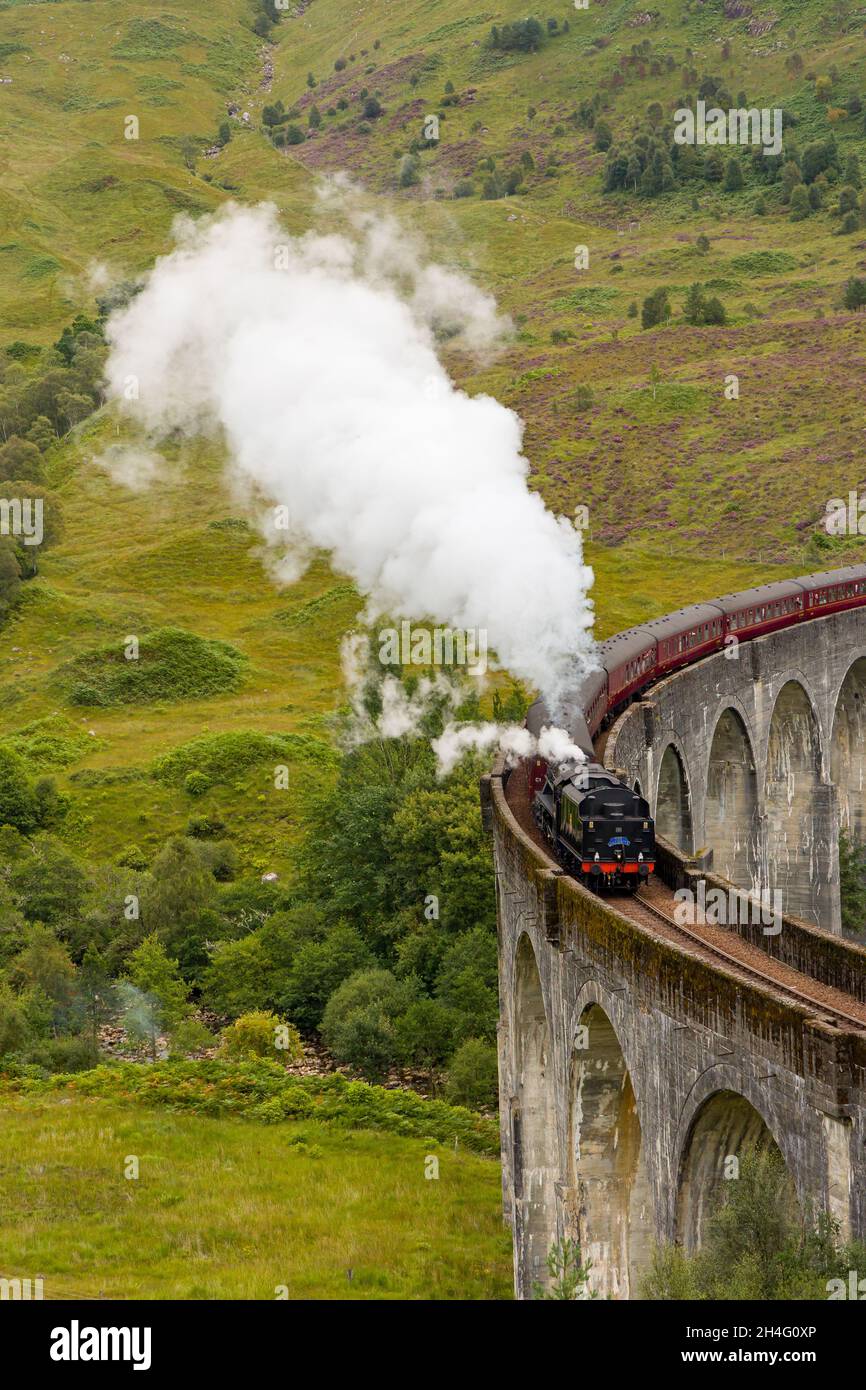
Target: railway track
(825, 1011)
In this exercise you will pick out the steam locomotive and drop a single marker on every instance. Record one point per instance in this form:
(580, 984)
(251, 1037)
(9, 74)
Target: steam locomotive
(597, 827)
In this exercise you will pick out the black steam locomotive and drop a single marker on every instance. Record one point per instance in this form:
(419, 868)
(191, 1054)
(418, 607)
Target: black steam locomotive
(597, 827)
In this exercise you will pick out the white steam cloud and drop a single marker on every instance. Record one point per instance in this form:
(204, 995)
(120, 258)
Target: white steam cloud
(316, 359)
(512, 740)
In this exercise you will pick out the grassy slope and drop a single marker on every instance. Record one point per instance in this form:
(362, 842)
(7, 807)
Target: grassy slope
(689, 465)
(223, 1209)
(721, 477)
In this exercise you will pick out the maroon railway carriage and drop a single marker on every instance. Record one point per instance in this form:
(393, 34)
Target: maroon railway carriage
(633, 659)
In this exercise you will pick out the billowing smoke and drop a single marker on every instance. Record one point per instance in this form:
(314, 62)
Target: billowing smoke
(512, 740)
(316, 359)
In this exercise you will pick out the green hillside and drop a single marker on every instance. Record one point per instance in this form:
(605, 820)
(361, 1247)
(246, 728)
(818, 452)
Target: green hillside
(205, 782)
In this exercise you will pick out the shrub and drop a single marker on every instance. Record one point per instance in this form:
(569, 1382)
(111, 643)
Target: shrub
(372, 108)
(656, 308)
(410, 166)
(261, 1034)
(524, 36)
(358, 1022)
(190, 1035)
(464, 188)
(734, 180)
(172, 664)
(473, 1076)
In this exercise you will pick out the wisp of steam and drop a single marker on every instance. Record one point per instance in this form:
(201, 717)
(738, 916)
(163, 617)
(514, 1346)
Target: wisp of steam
(315, 358)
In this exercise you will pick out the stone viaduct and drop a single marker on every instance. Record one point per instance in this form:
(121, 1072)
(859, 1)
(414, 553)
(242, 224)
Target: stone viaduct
(633, 1066)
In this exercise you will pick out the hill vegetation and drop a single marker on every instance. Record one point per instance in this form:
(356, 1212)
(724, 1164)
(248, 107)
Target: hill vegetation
(183, 843)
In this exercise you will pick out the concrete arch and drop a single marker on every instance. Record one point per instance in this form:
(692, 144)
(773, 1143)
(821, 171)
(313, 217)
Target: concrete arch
(794, 675)
(848, 750)
(794, 850)
(673, 814)
(724, 1127)
(731, 804)
(607, 1163)
(533, 1124)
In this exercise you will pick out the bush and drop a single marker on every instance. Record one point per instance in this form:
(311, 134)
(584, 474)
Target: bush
(190, 1035)
(212, 1087)
(372, 108)
(656, 309)
(261, 1034)
(319, 968)
(756, 1244)
(172, 664)
(358, 1022)
(410, 166)
(524, 36)
(473, 1076)
(464, 188)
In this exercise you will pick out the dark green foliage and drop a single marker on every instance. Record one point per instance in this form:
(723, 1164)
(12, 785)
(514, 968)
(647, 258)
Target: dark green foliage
(656, 308)
(855, 294)
(473, 1076)
(757, 1245)
(318, 969)
(852, 855)
(734, 180)
(264, 1092)
(524, 36)
(172, 664)
(801, 207)
(702, 309)
(358, 1023)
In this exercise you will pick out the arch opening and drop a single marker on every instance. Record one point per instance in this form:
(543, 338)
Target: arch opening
(533, 1123)
(726, 1126)
(674, 803)
(732, 802)
(797, 856)
(613, 1200)
(848, 751)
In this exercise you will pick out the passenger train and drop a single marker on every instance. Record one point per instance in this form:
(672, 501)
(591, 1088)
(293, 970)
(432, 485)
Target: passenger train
(596, 826)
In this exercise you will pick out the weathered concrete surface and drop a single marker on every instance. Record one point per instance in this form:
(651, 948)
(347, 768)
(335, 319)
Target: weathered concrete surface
(759, 753)
(631, 1068)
